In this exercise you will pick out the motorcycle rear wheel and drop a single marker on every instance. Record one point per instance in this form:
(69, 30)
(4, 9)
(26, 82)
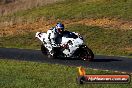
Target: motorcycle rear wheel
(44, 50)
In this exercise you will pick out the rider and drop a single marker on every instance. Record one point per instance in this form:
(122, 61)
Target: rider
(55, 33)
(54, 36)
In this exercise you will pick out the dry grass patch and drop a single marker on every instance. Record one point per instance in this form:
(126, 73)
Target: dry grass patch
(23, 28)
(45, 25)
(106, 23)
(129, 49)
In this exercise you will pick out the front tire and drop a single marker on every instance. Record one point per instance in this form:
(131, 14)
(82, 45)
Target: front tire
(86, 54)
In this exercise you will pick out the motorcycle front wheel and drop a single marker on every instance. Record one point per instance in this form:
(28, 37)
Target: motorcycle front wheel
(86, 54)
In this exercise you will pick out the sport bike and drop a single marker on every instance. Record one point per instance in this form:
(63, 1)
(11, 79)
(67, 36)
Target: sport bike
(71, 45)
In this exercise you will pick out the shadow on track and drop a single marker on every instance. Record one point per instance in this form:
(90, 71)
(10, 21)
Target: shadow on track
(106, 60)
(95, 60)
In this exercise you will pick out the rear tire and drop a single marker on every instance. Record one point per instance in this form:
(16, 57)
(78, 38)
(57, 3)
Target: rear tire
(44, 50)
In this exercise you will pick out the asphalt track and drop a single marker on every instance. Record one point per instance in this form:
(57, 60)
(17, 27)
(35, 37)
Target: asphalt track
(100, 62)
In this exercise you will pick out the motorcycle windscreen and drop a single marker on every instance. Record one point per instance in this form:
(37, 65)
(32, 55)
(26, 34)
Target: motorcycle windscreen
(68, 34)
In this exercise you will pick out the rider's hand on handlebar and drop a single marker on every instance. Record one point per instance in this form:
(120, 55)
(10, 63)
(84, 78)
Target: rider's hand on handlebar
(64, 45)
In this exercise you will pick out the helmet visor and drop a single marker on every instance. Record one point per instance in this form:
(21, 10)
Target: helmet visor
(59, 29)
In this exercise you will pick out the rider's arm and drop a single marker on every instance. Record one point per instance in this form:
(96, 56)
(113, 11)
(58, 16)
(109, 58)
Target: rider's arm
(51, 36)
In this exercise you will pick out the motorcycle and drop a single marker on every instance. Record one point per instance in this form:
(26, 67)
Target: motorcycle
(71, 46)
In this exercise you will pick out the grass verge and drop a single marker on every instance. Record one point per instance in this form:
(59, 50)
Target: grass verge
(23, 74)
(76, 9)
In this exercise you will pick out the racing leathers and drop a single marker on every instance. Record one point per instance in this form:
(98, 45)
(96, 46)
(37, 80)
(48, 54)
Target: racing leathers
(53, 39)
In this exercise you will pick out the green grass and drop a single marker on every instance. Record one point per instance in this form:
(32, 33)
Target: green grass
(27, 41)
(77, 9)
(23, 74)
(101, 41)
(22, 41)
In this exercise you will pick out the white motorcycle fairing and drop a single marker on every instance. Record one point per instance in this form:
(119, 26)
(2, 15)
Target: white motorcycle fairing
(68, 46)
(73, 44)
